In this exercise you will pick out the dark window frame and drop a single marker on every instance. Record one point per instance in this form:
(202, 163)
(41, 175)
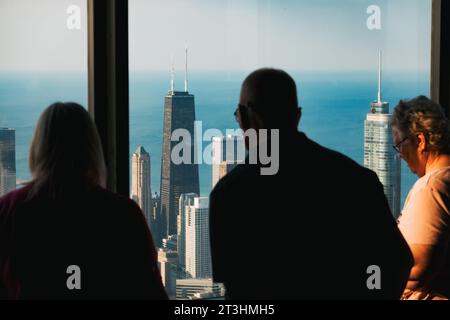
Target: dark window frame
(108, 86)
(109, 78)
(440, 53)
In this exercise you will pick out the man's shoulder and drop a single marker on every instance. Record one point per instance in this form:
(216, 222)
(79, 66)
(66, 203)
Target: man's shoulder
(331, 160)
(306, 158)
(234, 179)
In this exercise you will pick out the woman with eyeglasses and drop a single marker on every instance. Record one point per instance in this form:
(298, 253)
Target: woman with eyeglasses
(421, 135)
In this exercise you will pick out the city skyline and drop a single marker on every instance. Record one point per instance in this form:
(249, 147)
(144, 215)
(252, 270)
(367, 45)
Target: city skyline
(170, 261)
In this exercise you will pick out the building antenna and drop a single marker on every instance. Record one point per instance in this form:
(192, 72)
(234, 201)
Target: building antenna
(379, 76)
(186, 71)
(172, 81)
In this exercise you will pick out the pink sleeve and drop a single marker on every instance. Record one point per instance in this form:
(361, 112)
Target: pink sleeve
(426, 220)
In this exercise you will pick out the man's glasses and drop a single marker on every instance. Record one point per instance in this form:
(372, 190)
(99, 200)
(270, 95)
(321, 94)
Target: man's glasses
(397, 146)
(236, 112)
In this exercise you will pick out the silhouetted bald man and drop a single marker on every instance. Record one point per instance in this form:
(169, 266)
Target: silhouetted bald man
(320, 228)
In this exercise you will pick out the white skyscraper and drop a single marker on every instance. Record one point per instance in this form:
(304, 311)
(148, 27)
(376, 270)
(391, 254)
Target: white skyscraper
(141, 184)
(198, 251)
(379, 155)
(7, 160)
(227, 152)
(186, 199)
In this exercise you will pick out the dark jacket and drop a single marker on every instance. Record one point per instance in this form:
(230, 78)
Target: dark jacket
(104, 234)
(310, 231)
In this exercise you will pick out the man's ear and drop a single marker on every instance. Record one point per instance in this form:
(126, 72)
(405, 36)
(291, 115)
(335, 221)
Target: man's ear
(422, 143)
(244, 118)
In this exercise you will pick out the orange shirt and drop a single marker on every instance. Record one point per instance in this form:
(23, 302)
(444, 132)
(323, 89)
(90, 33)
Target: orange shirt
(425, 220)
(425, 217)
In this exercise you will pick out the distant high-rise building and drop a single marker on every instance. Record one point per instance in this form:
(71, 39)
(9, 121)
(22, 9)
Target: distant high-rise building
(379, 155)
(227, 153)
(157, 233)
(192, 289)
(170, 243)
(167, 263)
(7, 160)
(198, 250)
(176, 179)
(141, 184)
(186, 199)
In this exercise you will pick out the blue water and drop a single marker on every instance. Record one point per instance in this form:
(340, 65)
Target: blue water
(334, 108)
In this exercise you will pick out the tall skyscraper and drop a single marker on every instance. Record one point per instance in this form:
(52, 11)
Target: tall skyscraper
(7, 160)
(198, 250)
(141, 184)
(227, 153)
(176, 179)
(379, 155)
(186, 199)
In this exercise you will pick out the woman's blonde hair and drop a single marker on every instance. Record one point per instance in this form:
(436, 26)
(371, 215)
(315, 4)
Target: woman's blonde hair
(66, 152)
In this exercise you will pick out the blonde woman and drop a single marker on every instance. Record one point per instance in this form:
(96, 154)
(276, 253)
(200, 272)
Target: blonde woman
(63, 235)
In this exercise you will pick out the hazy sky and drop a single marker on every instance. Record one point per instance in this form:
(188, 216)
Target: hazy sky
(34, 36)
(226, 34)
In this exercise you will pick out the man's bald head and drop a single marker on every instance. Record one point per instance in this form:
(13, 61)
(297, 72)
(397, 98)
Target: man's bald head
(272, 94)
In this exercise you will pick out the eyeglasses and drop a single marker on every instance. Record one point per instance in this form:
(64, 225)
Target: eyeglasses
(236, 112)
(397, 146)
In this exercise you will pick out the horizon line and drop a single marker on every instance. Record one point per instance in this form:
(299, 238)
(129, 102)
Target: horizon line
(218, 70)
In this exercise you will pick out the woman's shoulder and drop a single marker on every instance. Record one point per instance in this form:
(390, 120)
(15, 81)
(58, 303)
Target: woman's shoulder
(440, 181)
(15, 197)
(113, 203)
(112, 197)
